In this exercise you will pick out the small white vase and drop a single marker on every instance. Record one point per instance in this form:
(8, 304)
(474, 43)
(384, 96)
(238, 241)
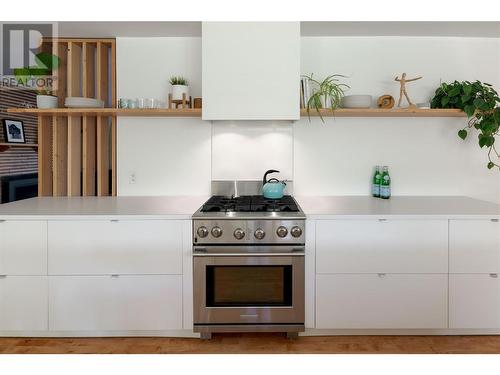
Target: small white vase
(178, 90)
(46, 101)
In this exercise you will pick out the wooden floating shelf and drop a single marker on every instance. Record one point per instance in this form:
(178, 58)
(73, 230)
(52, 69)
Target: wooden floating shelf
(159, 112)
(6, 146)
(381, 112)
(196, 112)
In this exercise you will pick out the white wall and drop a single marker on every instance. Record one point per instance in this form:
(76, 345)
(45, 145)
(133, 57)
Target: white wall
(245, 150)
(169, 156)
(425, 155)
(145, 65)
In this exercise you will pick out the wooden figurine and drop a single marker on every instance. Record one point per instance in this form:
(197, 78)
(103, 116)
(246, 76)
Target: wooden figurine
(402, 90)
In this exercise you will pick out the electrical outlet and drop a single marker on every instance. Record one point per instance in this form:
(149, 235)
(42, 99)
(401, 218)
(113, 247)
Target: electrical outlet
(131, 178)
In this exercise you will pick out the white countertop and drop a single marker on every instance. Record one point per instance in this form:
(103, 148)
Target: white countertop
(402, 206)
(182, 207)
(179, 207)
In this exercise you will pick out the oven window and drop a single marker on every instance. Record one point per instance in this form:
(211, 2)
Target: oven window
(234, 286)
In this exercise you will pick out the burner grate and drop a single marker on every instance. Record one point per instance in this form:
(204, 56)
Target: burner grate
(250, 203)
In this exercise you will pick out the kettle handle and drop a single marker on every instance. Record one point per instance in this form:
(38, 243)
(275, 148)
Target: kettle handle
(264, 179)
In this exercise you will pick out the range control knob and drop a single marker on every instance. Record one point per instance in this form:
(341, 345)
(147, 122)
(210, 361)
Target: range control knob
(202, 232)
(296, 232)
(281, 231)
(259, 234)
(239, 233)
(216, 232)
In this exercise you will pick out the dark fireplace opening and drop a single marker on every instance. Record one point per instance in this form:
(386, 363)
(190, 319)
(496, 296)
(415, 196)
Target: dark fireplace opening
(17, 187)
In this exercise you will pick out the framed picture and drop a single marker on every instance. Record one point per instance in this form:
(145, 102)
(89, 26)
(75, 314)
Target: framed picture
(14, 131)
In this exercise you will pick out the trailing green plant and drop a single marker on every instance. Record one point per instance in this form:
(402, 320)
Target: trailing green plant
(178, 80)
(45, 63)
(481, 103)
(329, 91)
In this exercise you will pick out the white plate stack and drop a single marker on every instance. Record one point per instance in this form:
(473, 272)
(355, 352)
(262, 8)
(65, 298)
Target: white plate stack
(76, 102)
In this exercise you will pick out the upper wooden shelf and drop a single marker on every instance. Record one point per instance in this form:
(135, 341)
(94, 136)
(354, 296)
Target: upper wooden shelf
(380, 112)
(5, 146)
(159, 112)
(196, 112)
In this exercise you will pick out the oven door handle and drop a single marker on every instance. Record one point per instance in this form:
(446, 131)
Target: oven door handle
(294, 254)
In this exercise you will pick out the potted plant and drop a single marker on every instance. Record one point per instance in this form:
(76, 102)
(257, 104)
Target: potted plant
(325, 94)
(179, 87)
(481, 103)
(34, 77)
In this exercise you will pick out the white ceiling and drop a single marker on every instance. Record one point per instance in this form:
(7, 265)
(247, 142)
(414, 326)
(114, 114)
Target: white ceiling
(169, 29)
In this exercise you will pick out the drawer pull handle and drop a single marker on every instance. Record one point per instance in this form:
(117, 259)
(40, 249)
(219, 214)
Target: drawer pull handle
(494, 220)
(3, 276)
(115, 276)
(381, 275)
(382, 220)
(494, 275)
(2, 221)
(114, 221)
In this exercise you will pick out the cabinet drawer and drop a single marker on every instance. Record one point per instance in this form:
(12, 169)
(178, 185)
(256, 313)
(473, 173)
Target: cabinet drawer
(393, 246)
(23, 248)
(474, 301)
(115, 303)
(123, 247)
(386, 301)
(474, 246)
(23, 303)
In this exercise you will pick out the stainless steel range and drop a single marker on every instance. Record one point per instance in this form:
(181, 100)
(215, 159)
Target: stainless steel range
(248, 265)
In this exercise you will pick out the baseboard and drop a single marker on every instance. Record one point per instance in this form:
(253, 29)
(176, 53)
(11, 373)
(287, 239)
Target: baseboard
(397, 332)
(54, 334)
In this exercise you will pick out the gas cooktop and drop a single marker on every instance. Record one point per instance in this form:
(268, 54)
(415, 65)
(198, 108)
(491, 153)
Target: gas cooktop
(249, 206)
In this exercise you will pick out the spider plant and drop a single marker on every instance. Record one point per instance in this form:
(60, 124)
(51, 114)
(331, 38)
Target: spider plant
(178, 81)
(329, 91)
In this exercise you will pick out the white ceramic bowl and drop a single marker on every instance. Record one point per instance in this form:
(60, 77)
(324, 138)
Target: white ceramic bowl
(76, 102)
(357, 101)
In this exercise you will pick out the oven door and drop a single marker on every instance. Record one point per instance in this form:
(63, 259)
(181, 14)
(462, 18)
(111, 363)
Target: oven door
(233, 286)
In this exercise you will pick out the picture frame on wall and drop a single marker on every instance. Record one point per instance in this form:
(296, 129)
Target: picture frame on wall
(13, 131)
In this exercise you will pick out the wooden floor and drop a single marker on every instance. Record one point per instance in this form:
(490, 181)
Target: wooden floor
(255, 343)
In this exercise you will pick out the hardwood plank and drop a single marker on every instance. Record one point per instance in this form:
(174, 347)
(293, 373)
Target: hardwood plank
(102, 156)
(113, 157)
(44, 156)
(74, 70)
(102, 73)
(89, 156)
(60, 74)
(88, 76)
(59, 155)
(256, 343)
(382, 112)
(112, 82)
(74, 156)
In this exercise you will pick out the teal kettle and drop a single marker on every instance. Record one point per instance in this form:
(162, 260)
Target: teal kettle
(272, 188)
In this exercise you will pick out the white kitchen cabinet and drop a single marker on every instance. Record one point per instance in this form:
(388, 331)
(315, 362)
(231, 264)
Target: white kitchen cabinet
(474, 246)
(372, 301)
(251, 70)
(390, 246)
(474, 301)
(115, 303)
(104, 247)
(23, 303)
(23, 247)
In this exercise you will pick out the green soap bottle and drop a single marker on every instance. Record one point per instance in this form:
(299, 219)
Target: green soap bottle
(385, 184)
(376, 182)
